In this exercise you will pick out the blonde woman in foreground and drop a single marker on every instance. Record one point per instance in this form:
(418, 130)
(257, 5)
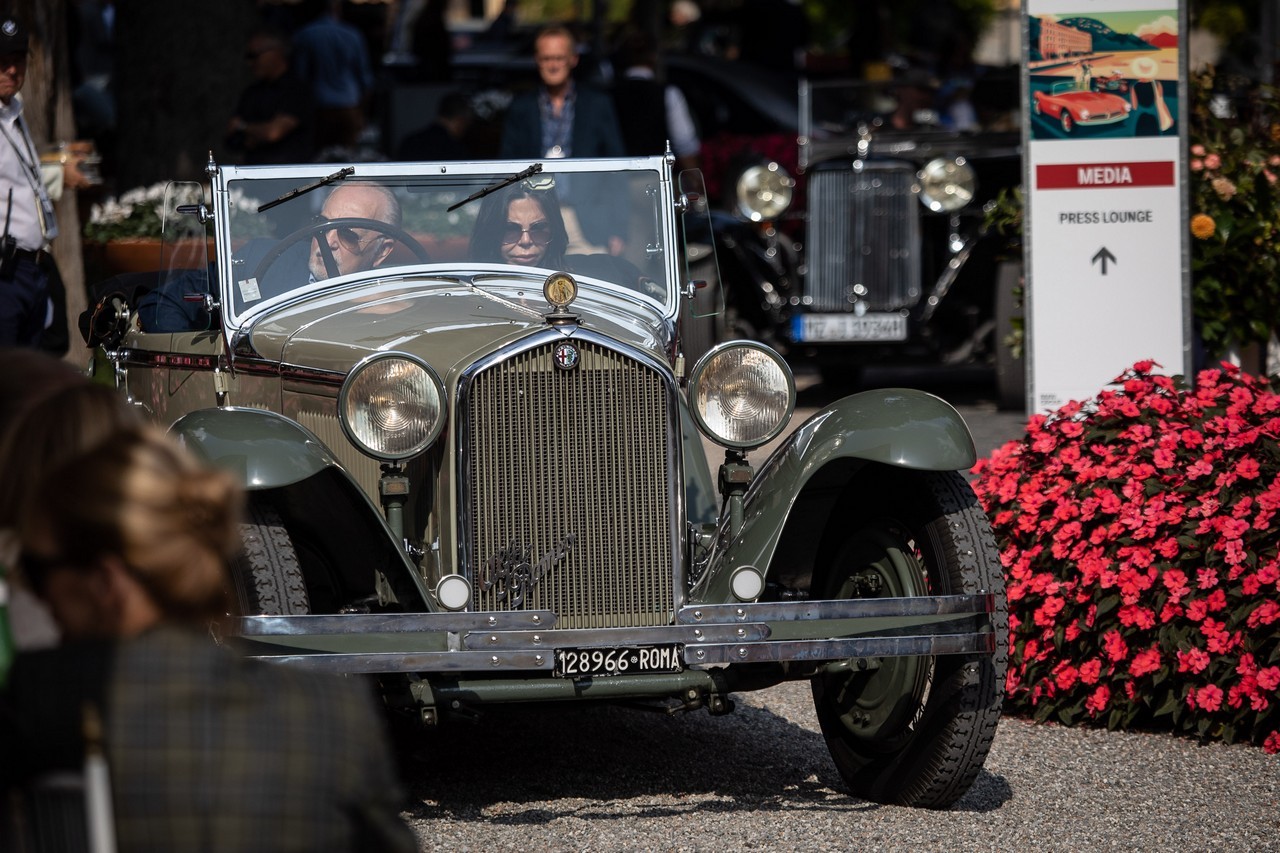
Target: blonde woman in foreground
(128, 543)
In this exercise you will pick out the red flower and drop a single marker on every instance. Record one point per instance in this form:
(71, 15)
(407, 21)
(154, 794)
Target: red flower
(1090, 671)
(1097, 701)
(1145, 662)
(1208, 697)
(1272, 744)
(1176, 582)
(1124, 521)
(1065, 675)
(1192, 660)
(1264, 614)
(1133, 616)
(1115, 646)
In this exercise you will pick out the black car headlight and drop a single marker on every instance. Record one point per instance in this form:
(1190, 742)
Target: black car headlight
(392, 406)
(764, 191)
(946, 184)
(742, 394)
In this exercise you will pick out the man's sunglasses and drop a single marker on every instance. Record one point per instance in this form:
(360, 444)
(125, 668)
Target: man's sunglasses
(539, 233)
(347, 237)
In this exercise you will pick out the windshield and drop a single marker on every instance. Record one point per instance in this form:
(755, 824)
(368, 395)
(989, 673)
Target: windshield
(295, 229)
(983, 102)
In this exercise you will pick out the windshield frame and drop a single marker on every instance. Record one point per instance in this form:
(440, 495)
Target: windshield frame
(666, 255)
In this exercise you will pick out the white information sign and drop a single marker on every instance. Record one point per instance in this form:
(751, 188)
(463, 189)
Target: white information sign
(1107, 269)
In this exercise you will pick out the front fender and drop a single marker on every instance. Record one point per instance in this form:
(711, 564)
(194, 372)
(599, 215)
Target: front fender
(264, 449)
(898, 427)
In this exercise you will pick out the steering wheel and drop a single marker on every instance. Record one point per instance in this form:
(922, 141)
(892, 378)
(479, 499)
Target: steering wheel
(315, 229)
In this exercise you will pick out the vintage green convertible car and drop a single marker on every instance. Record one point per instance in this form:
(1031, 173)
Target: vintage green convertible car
(464, 403)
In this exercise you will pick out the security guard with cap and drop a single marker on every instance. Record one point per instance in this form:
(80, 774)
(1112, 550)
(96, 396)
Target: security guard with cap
(27, 220)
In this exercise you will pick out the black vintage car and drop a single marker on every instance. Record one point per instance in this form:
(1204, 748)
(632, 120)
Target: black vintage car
(867, 245)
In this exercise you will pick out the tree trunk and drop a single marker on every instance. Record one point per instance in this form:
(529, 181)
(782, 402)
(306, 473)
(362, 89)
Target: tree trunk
(46, 97)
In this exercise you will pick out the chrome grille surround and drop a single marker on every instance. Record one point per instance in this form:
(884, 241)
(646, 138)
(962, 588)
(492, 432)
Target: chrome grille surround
(577, 474)
(864, 228)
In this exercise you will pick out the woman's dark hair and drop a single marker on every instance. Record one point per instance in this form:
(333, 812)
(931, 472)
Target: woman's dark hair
(486, 239)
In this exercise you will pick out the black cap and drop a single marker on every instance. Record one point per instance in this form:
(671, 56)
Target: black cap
(13, 36)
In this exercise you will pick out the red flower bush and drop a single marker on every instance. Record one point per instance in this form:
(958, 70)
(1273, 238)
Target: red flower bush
(1138, 535)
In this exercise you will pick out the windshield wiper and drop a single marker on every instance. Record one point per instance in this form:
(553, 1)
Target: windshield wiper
(323, 182)
(493, 188)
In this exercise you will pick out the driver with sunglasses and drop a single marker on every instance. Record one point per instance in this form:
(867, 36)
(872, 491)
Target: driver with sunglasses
(355, 249)
(170, 308)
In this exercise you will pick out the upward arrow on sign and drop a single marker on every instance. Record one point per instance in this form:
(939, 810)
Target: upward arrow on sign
(1104, 255)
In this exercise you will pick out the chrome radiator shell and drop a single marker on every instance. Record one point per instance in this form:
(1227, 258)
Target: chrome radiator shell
(571, 478)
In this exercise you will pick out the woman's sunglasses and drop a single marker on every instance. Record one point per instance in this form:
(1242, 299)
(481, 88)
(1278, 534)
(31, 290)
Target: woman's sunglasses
(539, 233)
(347, 237)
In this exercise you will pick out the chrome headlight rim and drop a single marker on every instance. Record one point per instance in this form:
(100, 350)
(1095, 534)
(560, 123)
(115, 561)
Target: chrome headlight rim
(947, 184)
(763, 191)
(354, 433)
(696, 379)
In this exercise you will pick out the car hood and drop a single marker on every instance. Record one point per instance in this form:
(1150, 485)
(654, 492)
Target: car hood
(448, 323)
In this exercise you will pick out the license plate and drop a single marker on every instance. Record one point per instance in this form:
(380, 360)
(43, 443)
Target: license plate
(850, 327)
(626, 660)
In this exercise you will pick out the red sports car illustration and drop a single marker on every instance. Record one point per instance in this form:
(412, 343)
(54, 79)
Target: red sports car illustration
(1071, 106)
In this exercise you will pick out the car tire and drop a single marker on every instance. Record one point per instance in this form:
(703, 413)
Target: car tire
(913, 731)
(1066, 121)
(267, 575)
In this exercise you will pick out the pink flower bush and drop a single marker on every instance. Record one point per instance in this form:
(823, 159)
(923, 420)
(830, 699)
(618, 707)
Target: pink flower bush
(1139, 538)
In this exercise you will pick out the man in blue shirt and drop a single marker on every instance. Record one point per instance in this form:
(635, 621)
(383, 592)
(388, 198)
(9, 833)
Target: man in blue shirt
(330, 54)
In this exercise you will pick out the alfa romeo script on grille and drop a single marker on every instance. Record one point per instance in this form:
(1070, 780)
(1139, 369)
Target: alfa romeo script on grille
(589, 663)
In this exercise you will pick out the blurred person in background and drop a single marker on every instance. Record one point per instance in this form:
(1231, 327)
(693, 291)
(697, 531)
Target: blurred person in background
(650, 113)
(445, 138)
(128, 543)
(32, 297)
(560, 118)
(273, 119)
(332, 57)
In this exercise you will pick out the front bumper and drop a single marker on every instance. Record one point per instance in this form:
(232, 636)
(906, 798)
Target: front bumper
(512, 642)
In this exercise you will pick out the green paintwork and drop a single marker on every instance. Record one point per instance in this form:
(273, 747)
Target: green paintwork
(899, 427)
(264, 449)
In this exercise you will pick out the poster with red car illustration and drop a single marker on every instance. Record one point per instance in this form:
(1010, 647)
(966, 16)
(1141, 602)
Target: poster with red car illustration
(1106, 260)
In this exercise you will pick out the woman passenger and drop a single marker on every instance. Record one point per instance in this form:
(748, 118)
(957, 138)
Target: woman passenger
(522, 226)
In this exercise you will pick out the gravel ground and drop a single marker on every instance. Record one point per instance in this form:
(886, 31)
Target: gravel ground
(605, 778)
(612, 778)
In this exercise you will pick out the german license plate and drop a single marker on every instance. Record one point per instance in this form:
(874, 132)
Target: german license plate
(625, 660)
(850, 327)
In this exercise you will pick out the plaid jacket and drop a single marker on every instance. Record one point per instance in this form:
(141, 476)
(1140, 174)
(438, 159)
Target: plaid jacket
(212, 752)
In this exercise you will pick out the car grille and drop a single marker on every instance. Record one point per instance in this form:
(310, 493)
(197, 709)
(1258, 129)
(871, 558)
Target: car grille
(567, 478)
(863, 229)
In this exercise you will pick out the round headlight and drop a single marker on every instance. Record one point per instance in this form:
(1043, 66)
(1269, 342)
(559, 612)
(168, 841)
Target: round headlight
(764, 191)
(742, 394)
(946, 184)
(392, 406)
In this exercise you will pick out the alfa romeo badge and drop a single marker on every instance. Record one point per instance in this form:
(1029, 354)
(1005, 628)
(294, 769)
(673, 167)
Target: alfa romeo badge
(566, 355)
